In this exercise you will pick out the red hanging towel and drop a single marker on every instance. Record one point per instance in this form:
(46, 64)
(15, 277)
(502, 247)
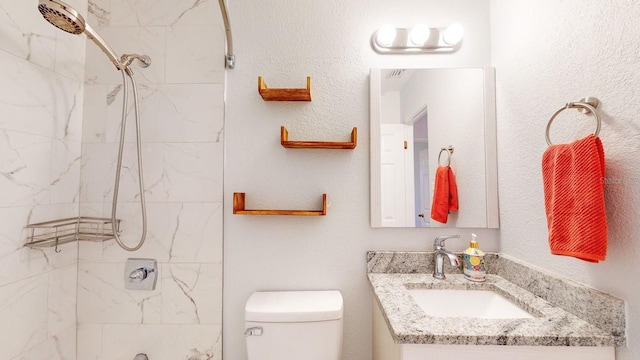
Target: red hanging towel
(453, 191)
(573, 177)
(445, 194)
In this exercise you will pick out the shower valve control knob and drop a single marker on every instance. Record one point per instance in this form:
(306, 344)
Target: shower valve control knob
(140, 274)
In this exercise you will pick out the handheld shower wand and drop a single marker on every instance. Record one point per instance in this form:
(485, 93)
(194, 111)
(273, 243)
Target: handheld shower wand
(66, 18)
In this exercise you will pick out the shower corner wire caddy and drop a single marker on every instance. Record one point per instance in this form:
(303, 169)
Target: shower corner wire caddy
(62, 231)
(284, 94)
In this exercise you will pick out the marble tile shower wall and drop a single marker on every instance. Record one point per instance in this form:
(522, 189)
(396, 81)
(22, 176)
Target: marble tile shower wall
(41, 100)
(181, 109)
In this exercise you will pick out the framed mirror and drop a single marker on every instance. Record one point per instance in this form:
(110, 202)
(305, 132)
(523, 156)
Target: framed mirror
(425, 118)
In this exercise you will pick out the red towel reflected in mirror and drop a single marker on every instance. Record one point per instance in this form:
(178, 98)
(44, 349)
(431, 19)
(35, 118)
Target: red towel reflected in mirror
(445, 194)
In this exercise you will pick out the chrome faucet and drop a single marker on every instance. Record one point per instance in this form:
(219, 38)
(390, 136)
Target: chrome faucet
(440, 252)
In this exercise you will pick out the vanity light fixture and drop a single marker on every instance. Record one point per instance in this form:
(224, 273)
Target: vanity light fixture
(419, 34)
(386, 35)
(418, 39)
(453, 34)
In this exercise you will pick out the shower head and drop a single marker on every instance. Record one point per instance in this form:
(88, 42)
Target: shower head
(62, 16)
(66, 18)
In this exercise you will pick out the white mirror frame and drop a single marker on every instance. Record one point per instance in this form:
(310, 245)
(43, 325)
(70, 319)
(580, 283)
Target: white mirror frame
(491, 158)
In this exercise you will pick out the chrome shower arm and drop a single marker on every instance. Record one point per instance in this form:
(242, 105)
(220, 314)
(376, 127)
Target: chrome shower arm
(230, 59)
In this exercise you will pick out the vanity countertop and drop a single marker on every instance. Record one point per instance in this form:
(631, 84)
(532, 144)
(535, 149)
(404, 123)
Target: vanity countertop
(550, 326)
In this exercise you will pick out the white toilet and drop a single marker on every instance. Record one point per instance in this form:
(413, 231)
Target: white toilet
(300, 325)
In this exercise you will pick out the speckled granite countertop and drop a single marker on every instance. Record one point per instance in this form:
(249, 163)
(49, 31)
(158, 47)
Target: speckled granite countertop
(551, 326)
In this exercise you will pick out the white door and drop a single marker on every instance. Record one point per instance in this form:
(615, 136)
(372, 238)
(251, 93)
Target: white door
(396, 186)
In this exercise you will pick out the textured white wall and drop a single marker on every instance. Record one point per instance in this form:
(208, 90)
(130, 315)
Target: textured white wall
(548, 53)
(285, 41)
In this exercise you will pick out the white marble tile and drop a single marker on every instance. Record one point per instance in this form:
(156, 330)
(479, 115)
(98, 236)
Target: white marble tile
(25, 165)
(46, 212)
(158, 228)
(147, 95)
(168, 113)
(176, 232)
(62, 299)
(25, 33)
(99, 162)
(23, 310)
(185, 113)
(12, 236)
(195, 54)
(193, 172)
(163, 12)
(90, 342)
(95, 114)
(98, 172)
(102, 297)
(70, 49)
(196, 234)
(90, 251)
(68, 111)
(65, 171)
(21, 263)
(38, 101)
(94, 210)
(70, 55)
(59, 347)
(130, 214)
(79, 5)
(191, 293)
(163, 342)
(25, 100)
(18, 262)
(152, 164)
(144, 41)
(99, 13)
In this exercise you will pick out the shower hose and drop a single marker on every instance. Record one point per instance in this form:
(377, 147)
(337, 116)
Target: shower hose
(126, 72)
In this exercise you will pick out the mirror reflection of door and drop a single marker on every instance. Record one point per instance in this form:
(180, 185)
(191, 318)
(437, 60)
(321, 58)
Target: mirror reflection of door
(397, 200)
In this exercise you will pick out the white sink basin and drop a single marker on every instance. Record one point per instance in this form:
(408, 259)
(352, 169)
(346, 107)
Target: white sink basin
(483, 304)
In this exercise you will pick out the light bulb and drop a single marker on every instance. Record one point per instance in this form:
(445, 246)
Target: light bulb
(386, 34)
(453, 34)
(419, 34)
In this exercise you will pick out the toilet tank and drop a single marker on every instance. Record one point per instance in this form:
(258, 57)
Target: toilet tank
(300, 325)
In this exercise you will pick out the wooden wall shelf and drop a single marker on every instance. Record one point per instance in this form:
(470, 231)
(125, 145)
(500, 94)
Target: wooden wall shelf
(284, 94)
(284, 140)
(238, 208)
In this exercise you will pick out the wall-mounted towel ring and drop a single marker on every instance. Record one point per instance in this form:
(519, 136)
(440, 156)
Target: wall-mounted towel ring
(586, 105)
(449, 151)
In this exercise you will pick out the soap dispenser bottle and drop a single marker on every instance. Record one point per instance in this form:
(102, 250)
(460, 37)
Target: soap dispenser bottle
(474, 267)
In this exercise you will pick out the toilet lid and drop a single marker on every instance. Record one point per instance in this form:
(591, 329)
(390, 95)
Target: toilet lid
(294, 306)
